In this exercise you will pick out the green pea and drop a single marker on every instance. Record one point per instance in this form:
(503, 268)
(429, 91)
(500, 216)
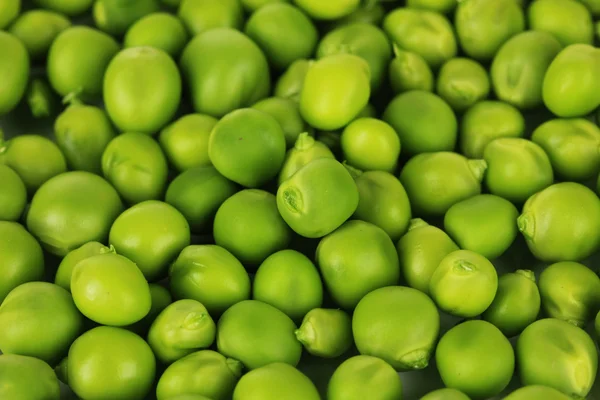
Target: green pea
(485, 224)
(23, 377)
(160, 299)
(198, 193)
(559, 355)
(14, 68)
(556, 16)
(475, 358)
(445, 394)
(13, 194)
(369, 12)
(116, 16)
(98, 359)
(289, 281)
(547, 214)
(287, 112)
(462, 82)
(77, 61)
(371, 144)
(330, 10)
(203, 373)
(427, 33)
(482, 26)
(271, 382)
(82, 133)
(290, 83)
(185, 141)
(486, 121)
(257, 334)
(517, 303)
(362, 377)
(71, 8)
(9, 11)
(305, 150)
(424, 122)
(136, 166)
(420, 252)
(409, 71)
(436, 181)
(211, 275)
(326, 333)
(68, 263)
(253, 5)
(37, 29)
(318, 198)
(571, 86)
(200, 16)
(536, 392)
(573, 146)
(570, 291)
(151, 234)
(160, 30)
(441, 6)
(41, 99)
(464, 284)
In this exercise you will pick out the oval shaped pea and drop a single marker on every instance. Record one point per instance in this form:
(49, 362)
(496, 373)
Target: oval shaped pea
(562, 223)
(326, 333)
(305, 150)
(37, 29)
(159, 30)
(271, 381)
(289, 85)
(200, 16)
(115, 16)
(136, 166)
(9, 11)
(568, 349)
(409, 71)
(14, 67)
(13, 194)
(331, 10)
(287, 112)
(68, 263)
(371, 144)
(18, 372)
(445, 394)
(462, 82)
(555, 16)
(536, 392)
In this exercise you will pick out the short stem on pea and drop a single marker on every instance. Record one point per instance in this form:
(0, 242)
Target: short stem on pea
(526, 273)
(526, 225)
(416, 223)
(478, 168)
(304, 142)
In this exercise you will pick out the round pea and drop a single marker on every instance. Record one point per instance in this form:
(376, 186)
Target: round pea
(289, 85)
(68, 263)
(557, 17)
(287, 112)
(330, 10)
(305, 150)
(200, 16)
(37, 29)
(14, 67)
(151, 234)
(445, 394)
(23, 377)
(9, 11)
(13, 194)
(464, 284)
(409, 71)
(462, 82)
(424, 122)
(116, 16)
(326, 333)
(371, 144)
(441, 6)
(136, 166)
(271, 382)
(562, 223)
(211, 275)
(536, 392)
(160, 30)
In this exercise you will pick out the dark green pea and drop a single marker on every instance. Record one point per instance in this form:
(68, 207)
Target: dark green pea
(287, 112)
(116, 16)
(14, 68)
(68, 263)
(9, 11)
(558, 18)
(409, 71)
(37, 29)
(462, 82)
(203, 15)
(13, 194)
(326, 333)
(161, 30)
(41, 99)
(291, 81)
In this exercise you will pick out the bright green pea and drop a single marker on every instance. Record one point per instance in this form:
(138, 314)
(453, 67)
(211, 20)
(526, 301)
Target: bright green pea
(486, 121)
(185, 141)
(14, 68)
(289, 281)
(9, 11)
(160, 299)
(289, 85)
(409, 71)
(424, 122)
(13, 194)
(397, 324)
(77, 61)
(330, 10)
(257, 334)
(475, 358)
(305, 150)
(203, 15)
(537, 392)
(482, 26)
(559, 355)
(436, 181)
(445, 394)
(362, 377)
(71, 8)
(326, 333)
(273, 382)
(151, 234)
(68, 263)
(116, 16)
(558, 18)
(441, 6)
(211, 275)
(39, 319)
(23, 377)
(517, 303)
(287, 112)
(203, 373)
(253, 5)
(160, 30)
(99, 358)
(464, 284)
(37, 29)
(485, 224)
(371, 144)
(136, 166)
(562, 223)
(462, 82)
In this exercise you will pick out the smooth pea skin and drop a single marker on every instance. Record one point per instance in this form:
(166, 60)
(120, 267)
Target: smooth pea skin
(287, 113)
(571, 86)
(462, 82)
(72, 209)
(253, 5)
(464, 284)
(536, 392)
(420, 252)
(116, 16)
(424, 32)
(39, 319)
(151, 234)
(82, 133)
(68, 263)
(485, 224)
(17, 373)
(331, 10)
(409, 71)
(326, 333)
(136, 166)
(71, 8)
(371, 144)
(160, 30)
(37, 29)
(97, 361)
(424, 122)
(562, 223)
(445, 394)
(273, 381)
(225, 70)
(203, 373)
(9, 11)
(482, 26)
(435, 182)
(573, 146)
(556, 354)
(14, 67)
(517, 303)
(486, 121)
(305, 150)
(257, 334)
(13, 194)
(364, 377)
(289, 85)
(185, 141)
(77, 61)
(557, 16)
(475, 358)
(198, 193)
(200, 16)
(250, 227)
